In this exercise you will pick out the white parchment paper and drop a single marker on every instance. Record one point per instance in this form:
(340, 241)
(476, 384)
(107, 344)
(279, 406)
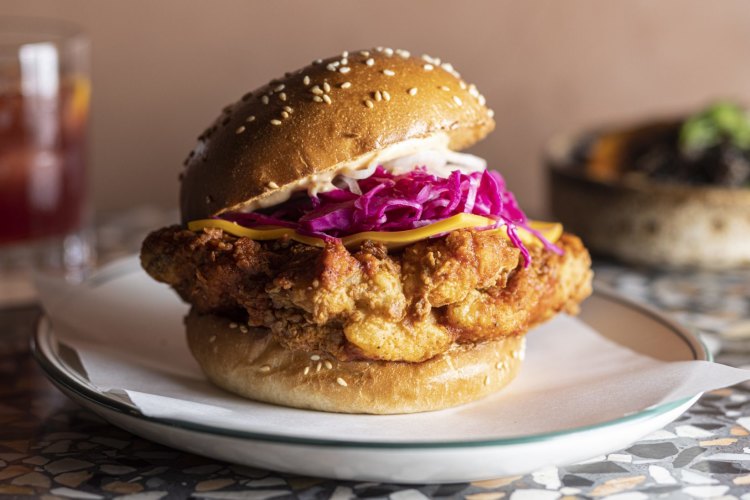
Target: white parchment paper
(128, 334)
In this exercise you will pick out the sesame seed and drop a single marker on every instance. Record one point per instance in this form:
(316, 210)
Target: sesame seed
(386, 95)
(370, 61)
(331, 67)
(378, 96)
(428, 67)
(239, 130)
(500, 365)
(273, 185)
(344, 61)
(490, 113)
(403, 53)
(265, 368)
(282, 96)
(318, 366)
(264, 99)
(412, 91)
(315, 357)
(328, 364)
(369, 103)
(345, 69)
(379, 48)
(346, 85)
(232, 325)
(341, 382)
(284, 114)
(317, 98)
(306, 80)
(250, 118)
(446, 88)
(365, 53)
(316, 90)
(279, 87)
(447, 67)
(487, 380)
(473, 90)
(327, 98)
(462, 85)
(275, 122)
(326, 87)
(318, 61)
(288, 109)
(388, 52)
(307, 370)
(482, 100)
(388, 72)
(212, 339)
(457, 100)
(514, 354)
(427, 58)
(243, 329)
(345, 53)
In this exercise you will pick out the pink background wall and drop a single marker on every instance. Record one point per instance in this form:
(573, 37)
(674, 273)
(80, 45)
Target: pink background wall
(163, 69)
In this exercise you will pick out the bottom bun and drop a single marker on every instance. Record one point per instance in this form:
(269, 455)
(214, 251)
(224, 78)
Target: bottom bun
(249, 362)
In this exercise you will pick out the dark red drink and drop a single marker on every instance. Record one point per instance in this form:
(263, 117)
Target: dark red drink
(42, 159)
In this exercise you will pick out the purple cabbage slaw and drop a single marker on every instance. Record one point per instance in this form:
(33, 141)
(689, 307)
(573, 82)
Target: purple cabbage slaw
(397, 203)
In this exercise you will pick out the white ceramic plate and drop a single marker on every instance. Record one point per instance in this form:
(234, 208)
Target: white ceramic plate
(480, 455)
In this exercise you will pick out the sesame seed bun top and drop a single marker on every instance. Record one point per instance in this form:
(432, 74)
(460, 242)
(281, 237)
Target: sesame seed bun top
(334, 113)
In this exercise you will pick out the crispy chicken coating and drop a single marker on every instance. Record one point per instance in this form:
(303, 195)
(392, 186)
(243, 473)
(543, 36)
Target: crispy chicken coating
(405, 305)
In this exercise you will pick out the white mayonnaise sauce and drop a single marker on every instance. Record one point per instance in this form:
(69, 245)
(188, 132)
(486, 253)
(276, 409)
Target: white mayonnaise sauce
(431, 153)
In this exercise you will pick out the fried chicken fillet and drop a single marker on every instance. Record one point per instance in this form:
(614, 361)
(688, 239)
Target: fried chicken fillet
(408, 305)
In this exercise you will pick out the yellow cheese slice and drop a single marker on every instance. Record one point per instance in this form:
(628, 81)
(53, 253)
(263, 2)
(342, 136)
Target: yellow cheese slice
(392, 239)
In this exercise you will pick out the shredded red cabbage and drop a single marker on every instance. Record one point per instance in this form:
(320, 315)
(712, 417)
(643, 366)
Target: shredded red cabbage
(396, 203)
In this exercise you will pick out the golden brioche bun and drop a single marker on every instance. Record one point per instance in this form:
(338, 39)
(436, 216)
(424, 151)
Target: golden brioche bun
(323, 116)
(251, 364)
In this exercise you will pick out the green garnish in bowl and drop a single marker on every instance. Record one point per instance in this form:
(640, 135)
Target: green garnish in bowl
(723, 121)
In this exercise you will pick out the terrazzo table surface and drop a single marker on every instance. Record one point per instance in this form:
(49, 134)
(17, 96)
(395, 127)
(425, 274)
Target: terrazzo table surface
(51, 448)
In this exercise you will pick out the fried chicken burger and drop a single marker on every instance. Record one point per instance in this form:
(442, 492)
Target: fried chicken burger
(339, 254)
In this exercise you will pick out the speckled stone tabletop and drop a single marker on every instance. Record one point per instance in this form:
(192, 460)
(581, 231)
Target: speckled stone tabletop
(51, 448)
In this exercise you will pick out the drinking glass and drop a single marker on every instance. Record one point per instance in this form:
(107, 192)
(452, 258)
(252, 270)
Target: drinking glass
(45, 222)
